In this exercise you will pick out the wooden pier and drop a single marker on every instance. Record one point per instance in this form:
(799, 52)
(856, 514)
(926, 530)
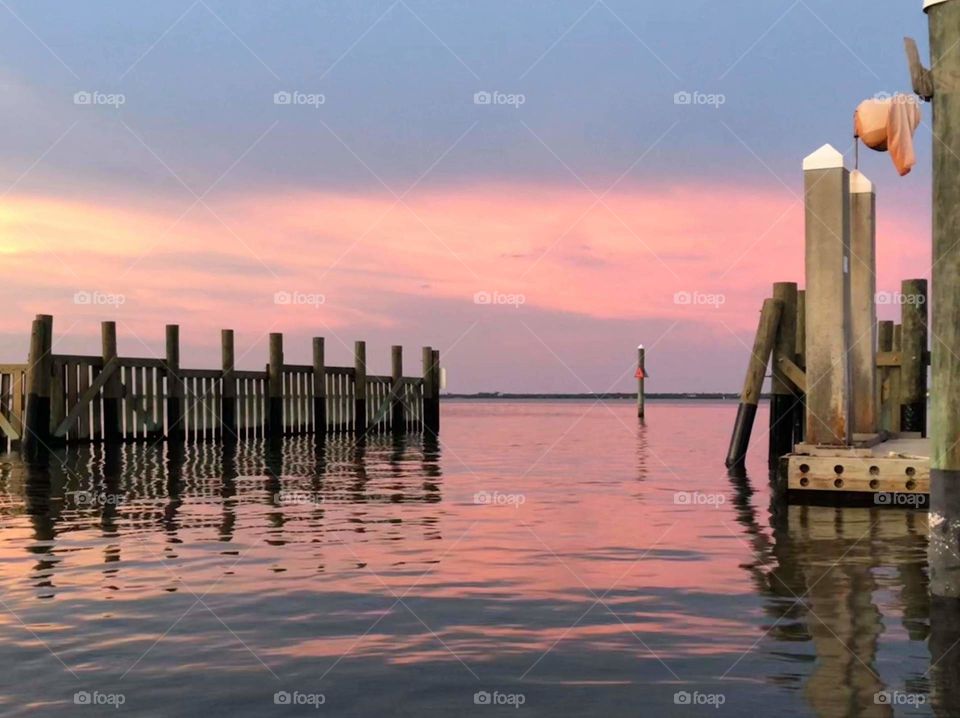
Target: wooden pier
(56, 399)
(848, 393)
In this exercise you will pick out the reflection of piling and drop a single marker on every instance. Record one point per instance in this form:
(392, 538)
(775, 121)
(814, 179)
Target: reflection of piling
(863, 308)
(753, 384)
(827, 222)
(36, 435)
(888, 381)
(782, 398)
(913, 356)
(641, 377)
(945, 409)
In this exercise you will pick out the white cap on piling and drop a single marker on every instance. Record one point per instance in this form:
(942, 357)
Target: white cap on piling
(859, 184)
(927, 4)
(640, 346)
(826, 158)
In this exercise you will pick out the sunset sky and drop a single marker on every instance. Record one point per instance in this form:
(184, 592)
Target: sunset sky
(382, 200)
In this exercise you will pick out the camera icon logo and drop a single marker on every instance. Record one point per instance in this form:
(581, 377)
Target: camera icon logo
(82, 698)
(482, 698)
(281, 698)
(82, 98)
(282, 298)
(282, 98)
(482, 98)
(682, 98)
(682, 298)
(682, 698)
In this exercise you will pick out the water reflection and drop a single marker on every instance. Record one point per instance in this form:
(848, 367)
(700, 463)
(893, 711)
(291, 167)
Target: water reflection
(302, 549)
(823, 570)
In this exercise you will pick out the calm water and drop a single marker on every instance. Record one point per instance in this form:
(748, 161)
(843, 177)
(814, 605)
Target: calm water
(539, 555)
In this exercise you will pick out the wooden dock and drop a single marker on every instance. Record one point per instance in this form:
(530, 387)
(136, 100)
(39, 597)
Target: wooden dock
(897, 466)
(57, 399)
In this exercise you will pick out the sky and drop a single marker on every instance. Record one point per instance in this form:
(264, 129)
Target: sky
(522, 185)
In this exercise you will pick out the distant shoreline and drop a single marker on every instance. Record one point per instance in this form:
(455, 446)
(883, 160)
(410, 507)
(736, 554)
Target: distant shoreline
(688, 396)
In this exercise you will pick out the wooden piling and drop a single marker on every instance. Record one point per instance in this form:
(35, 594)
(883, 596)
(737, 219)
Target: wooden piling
(112, 389)
(944, 547)
(435, 355)
(360, 387)
(888, 381)
(799, 408)
(397, 423)
(641, 377)
(827, 229)
(175, 393)
(782, 393)
(319, 387)
(36, 434)
(430, 401)
(228, 390)
(863, 308)
(913, 353)
(275, 387)
(753, 384)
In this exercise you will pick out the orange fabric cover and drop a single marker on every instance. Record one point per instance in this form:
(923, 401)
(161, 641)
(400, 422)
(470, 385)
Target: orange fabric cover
(888, 125)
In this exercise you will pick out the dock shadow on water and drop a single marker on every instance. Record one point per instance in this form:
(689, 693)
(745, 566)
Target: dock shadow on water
(555, 558)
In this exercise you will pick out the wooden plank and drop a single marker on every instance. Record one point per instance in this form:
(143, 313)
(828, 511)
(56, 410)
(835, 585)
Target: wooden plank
(793, 373)
(129, 394)
(78, 403)
(83, 387)
(73, 396)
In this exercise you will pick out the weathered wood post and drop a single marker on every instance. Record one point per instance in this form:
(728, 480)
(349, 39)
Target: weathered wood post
(913, 353)
(641, 377)
(397, 420)
(753, 384)
(887, 401)
(275, 387)
(228, 390)
(112, 389)
(360, 386)
(175, 431)
(436, 391)
(782, 395)
(863, 303)
(799, 408)
(430, 394)
(944, 547)
(36, 428)
(827, 222)
(319, 388)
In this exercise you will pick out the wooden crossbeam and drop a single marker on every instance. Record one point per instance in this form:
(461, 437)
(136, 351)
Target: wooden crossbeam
(8, 429)
(795, 374)
(88, 396)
